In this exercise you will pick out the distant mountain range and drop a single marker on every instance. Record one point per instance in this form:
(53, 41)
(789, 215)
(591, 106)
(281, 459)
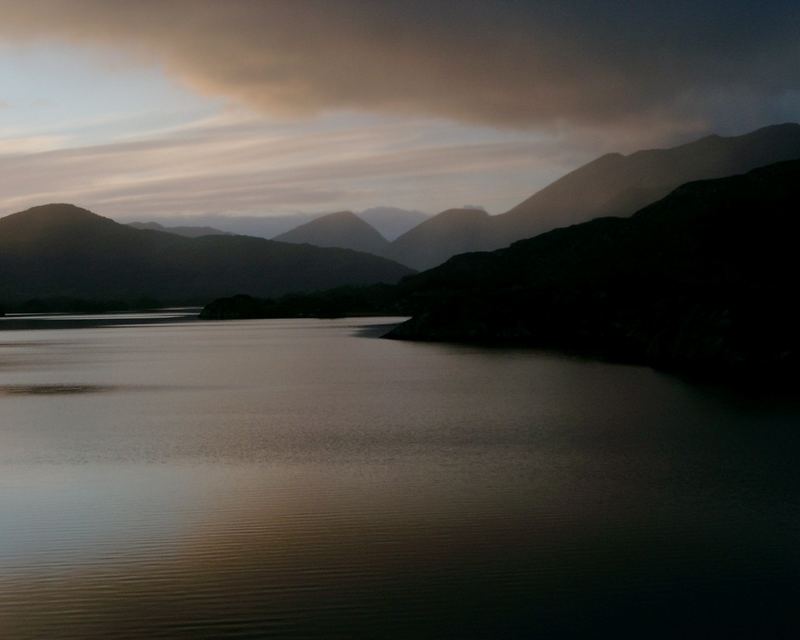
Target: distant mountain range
(449, 233)
(63, 251)
(619, 185)
(701, 280)
(612, 185)
(389, 222)
(186, 232)
(342, 229)
(392, 222)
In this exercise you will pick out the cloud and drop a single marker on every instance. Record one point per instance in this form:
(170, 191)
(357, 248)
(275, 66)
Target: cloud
(535, 88)
(242, 165)
(616, 66)
(29, 144)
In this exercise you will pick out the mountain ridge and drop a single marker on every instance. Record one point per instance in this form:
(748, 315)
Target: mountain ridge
(64, 251)
(611, 185)
(342, 229)
(690, 281)
(452, 230)
(187, 231)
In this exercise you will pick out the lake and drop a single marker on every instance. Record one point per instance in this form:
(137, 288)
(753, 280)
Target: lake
(170, 478)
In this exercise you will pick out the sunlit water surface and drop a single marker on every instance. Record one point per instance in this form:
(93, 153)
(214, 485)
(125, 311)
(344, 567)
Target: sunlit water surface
(304, 478)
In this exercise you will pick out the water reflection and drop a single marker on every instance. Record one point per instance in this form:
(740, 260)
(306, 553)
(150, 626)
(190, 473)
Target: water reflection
(54, 389)
(300, 480)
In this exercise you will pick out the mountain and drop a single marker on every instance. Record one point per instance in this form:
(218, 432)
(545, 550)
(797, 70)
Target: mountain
(186, 232)
(612, 185)
(618, 185)
(266, 226)
(446, 234)
(60, 250)
(703, 279)
(343, 229)
(392, 222)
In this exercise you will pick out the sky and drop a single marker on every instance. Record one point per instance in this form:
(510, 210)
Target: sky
(182, 107)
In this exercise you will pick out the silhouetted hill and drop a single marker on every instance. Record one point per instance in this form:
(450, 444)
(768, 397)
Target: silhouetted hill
(448, 233)
(612, 185)
(704, 278)
(185, 231)
(62, 251)
(343, 229)
(392, 222)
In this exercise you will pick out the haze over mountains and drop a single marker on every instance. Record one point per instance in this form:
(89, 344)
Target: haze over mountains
(185, 231)
(619, 185)
(342, 229)
(447, 234)
(612, 185)
(390, 222)
(63, 251)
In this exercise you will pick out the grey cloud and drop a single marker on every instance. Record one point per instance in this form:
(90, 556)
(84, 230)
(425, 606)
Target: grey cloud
(627, 67)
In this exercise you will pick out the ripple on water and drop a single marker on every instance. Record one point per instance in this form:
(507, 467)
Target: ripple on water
(53, 389)
(66, 389)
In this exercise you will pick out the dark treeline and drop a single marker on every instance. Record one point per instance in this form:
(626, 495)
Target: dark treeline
(334, 303)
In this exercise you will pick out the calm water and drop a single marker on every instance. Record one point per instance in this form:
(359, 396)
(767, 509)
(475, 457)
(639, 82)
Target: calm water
(303, 478)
